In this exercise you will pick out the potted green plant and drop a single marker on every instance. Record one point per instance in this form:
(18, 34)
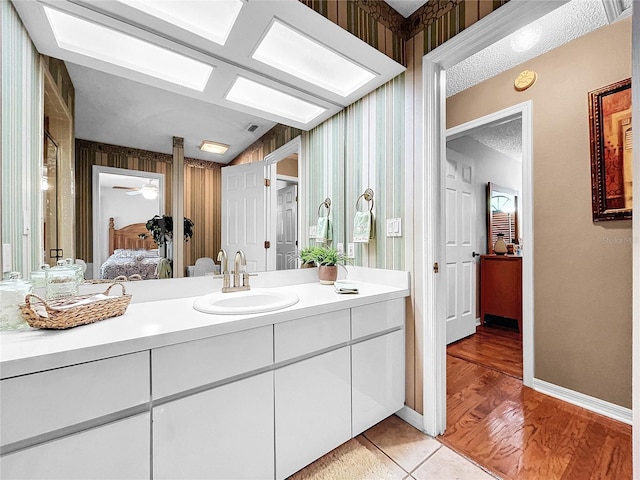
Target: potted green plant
(306, 257)
(327, 259)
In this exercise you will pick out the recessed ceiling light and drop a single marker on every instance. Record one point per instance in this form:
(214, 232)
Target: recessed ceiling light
(292, 52)
(87, 38)
(255, 95)
(525, 38)
(213, 147)
(210, 20)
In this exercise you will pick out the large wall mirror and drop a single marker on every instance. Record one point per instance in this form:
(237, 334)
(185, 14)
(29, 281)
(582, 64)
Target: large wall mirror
(502, 215)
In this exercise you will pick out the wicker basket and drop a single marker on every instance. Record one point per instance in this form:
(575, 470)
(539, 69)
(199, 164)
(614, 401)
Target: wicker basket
(59, 317)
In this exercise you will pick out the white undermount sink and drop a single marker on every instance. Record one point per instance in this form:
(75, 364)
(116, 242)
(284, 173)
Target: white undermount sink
(256, 300)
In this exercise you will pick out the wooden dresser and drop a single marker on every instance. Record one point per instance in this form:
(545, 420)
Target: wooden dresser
(501, 287)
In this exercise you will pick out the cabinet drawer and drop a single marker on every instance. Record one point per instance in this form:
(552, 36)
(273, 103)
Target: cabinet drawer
(117, 451)
(177, 368)
(46, 401)
(377, 317)
(310, 334)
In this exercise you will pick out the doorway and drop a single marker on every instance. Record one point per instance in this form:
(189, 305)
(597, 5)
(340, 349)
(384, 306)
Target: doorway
(251, 220)
(484, 299)
(122, 194)
(431, 239)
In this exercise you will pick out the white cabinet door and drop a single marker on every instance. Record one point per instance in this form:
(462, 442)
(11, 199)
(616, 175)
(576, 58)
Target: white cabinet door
(119, 450)
(377, 369)
(223, 433)
(313, 409)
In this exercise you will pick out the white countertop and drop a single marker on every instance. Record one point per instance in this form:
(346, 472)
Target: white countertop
(157, 323)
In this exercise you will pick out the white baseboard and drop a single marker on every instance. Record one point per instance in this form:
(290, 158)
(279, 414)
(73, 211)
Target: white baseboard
(593, 404)
(412, 417)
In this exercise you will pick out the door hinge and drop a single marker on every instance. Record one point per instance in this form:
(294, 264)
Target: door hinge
(436, 267)
(267, 244)
(267, 182)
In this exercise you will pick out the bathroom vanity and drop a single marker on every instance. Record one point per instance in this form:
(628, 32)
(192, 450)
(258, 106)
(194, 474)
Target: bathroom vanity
(166, 391)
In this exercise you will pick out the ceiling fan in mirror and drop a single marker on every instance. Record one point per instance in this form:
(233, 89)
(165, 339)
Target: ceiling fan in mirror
(147, 190)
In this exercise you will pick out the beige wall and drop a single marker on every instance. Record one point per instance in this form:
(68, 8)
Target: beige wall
(582, 271)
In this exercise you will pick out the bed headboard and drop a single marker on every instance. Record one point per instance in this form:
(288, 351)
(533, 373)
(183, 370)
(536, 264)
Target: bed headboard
(129, 237)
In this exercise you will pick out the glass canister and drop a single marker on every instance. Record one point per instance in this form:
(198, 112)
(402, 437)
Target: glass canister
(12, 293)
(78, 268)
(62, 281)
(39, 277)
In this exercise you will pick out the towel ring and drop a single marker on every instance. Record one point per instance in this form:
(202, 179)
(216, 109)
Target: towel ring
(326, 204)
(368, 196)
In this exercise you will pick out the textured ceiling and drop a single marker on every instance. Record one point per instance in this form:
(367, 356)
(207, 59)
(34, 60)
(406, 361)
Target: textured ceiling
(505, 138)
(406, 7)
(564, 24)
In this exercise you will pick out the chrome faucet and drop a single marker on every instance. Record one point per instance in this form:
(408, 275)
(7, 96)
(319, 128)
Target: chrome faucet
(238, 284)
(224, 268)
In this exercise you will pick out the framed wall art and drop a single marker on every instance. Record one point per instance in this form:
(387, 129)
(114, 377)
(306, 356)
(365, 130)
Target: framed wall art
(611, 160)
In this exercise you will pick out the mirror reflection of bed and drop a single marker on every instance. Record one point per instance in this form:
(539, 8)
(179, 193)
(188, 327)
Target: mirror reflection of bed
(133, 254)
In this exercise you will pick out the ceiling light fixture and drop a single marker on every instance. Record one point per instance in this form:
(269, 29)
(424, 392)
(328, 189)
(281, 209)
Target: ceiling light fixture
(292, 52)
(213, 147)
(87, 38)
(256, 95)
(525, 38)
(149, 191)
(210, 20)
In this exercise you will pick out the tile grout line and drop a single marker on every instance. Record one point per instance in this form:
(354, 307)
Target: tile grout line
(426, 459)
(385, 454)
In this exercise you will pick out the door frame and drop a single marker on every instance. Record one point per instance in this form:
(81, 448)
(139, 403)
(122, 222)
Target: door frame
(289, 148)
(429, 236)
(101, 230)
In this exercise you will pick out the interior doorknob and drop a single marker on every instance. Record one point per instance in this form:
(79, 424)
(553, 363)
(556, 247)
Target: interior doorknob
(474, 254)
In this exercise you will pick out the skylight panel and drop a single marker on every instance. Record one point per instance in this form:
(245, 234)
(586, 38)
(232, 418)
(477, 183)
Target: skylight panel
(259, 96)
(292, 52)
(87, 38)
(212, 20)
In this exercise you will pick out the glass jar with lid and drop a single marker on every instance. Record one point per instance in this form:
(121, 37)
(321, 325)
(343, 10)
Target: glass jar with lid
(12, 293)
(62, 281)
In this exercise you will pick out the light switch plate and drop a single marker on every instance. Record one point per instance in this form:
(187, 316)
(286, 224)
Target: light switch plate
(340, 248)
(312, 231)
(351, 250)
(394, 227)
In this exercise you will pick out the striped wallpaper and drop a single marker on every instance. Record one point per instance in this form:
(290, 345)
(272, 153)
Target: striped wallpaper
(361, 147)
(323, 151)
(202, 187)
(22, 148)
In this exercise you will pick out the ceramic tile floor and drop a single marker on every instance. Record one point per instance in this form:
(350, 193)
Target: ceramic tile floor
(415, 455)
(411, 455)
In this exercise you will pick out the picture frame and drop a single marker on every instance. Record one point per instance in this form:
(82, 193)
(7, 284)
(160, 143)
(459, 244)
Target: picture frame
(610, 132)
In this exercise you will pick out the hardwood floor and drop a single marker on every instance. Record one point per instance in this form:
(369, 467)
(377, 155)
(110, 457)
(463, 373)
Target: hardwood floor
(518, 433)
(498, 348)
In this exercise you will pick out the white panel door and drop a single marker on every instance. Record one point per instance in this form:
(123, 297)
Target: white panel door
(460, 266)
(287, 227)
(243, 213)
